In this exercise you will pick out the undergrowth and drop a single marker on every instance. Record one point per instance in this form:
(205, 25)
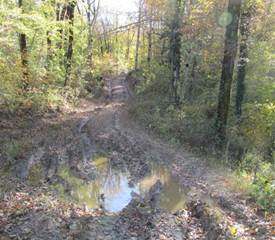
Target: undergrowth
(250, 149)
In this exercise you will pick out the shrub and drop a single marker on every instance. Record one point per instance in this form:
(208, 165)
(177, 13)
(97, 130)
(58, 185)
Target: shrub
(264, 187)
(12, 151)
(259, 124)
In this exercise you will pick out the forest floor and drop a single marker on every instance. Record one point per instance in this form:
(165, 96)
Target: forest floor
(37, 192)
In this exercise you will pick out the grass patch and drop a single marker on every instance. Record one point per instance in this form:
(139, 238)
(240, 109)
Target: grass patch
(259, 186)
(240, 181)
(12, 151)
(186, 124)
(254, 176)
(36, 174)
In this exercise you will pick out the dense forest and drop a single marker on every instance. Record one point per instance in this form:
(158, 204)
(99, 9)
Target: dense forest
(197, 75)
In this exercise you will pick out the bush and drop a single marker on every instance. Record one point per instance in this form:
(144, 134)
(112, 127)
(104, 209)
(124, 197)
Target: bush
(264, 187)
(258, 125)
(12, 151)
(185, 124)
(154, 81)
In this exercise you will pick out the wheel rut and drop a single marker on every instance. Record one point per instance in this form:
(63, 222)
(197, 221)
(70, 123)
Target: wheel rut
(129, 185)
(209, 214)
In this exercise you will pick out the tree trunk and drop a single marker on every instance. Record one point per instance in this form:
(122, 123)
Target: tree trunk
(127, 54)
(69, 53)
(162, 52)
(60, 16)
(230, 50)
(189, 79)
(175, 52)
(150, 42)
(24, 54)
(90, 38)
(49, 51)
(138, 35)
(49, 40)
(243, 59)
(92, 12)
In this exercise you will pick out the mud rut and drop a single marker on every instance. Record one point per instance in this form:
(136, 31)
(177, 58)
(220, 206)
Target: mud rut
(212, 212)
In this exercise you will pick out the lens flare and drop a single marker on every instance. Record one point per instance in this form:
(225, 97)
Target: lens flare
(225, 19)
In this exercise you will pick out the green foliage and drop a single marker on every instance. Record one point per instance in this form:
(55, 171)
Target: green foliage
(12, 151)
(251, 141)
(154, 80)
(46, 64)
(111, 53)
(259, 124)
(264, 187)
(35, 174)
(185, 124)
(255, 179)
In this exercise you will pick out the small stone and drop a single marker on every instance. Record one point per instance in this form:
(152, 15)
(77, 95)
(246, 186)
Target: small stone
(74, 226)
(27, 230)
(108, 237)
(178, 236)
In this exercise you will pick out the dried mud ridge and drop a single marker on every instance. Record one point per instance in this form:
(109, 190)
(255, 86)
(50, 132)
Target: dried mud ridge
(30, 212)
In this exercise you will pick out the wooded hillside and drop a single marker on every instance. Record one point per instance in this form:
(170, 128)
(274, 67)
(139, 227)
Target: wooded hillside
(197, 74)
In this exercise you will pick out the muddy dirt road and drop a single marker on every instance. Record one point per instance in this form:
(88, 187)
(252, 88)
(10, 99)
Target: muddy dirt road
(109, 179)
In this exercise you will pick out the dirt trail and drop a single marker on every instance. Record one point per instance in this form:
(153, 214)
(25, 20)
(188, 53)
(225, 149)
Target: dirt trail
(212, 211)
(218, 211)
(105, 129)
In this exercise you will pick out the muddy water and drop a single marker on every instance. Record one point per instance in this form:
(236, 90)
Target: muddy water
(111, 188)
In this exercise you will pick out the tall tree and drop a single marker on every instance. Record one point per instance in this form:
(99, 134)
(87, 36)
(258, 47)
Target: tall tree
(69, 54)
(175, 49)
(189, 76)
(243, 56)
(24, 53)
(91, 12)
(51, 4)
(138, 34)
(150, 34)
(60, 16)
(49, 50)
(230, 50)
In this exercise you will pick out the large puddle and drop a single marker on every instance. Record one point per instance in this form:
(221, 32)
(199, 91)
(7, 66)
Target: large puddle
(112, 186)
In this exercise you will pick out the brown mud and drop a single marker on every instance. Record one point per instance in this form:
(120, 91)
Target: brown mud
(58, 170)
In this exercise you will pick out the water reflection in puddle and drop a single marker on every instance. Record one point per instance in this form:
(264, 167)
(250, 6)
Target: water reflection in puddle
(112, 185)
